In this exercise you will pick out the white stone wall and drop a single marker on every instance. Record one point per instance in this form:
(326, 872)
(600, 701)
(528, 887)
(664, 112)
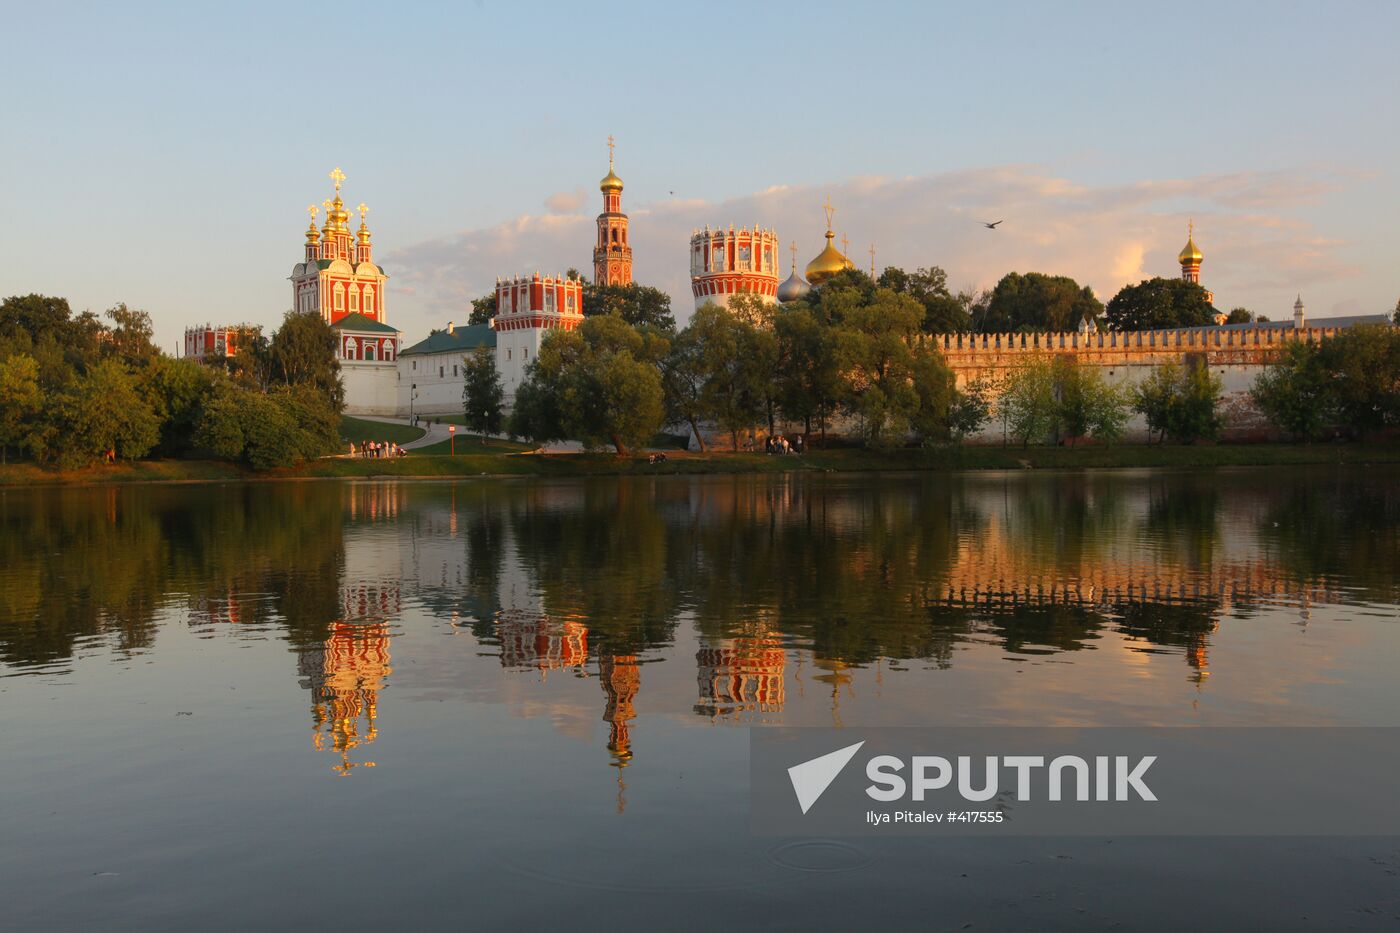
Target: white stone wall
(515, 350)
(439, 378)
(370, 388)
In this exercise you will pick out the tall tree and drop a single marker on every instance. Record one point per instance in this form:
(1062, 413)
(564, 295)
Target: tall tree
(105, 413)
(944, 312)
(1364, 365)
(809, 381)
(1159, 304)
(483, 309)
(1027, 404)
(1294, 391)
(638, 305)
(482, 393)
(683, 381)
(21, 402)
(876, 349)
(736, 379)
(303, 353)
(129, 336)
(1086, 405)
(1034, 302)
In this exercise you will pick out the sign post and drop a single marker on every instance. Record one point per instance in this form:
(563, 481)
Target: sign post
(452, 438)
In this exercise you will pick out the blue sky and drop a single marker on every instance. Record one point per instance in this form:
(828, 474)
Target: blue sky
(163, 154)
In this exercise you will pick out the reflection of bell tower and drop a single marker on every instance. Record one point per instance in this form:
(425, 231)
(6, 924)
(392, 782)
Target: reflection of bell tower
(345, 675)
(533, 641)
(622, 679)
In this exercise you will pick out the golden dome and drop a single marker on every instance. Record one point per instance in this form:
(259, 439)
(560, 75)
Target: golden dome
(1189, 253)
(610, 181)
(828, 262)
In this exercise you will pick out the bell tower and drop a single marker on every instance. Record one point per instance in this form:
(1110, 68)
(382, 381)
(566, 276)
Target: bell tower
(612, 252)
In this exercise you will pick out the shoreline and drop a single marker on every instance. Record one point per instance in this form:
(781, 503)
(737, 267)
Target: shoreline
(951, 459)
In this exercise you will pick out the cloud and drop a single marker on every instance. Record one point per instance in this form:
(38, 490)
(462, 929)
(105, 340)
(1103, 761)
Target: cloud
(1105, 236)
(566, 202)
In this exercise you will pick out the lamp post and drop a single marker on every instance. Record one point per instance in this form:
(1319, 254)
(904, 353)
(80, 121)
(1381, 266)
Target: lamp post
(412, 397)
(452, 439)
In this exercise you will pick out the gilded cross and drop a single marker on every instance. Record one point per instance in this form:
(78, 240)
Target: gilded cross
(327, 205)
(826, 206)
(363, 211)
(612, 144)
(337, 176)
(312, 210)
(794, 256)
(845, 244)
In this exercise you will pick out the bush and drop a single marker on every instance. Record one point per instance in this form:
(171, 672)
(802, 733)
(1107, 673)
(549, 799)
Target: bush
(1180, 401)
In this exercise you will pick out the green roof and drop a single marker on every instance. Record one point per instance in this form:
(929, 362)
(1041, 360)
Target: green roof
(459, 338)
(362, 324)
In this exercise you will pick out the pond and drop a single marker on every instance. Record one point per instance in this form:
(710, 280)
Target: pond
(375, 704)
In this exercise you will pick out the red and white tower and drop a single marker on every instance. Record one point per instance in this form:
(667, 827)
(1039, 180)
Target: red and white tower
(727, 262)
(338, 276)
(526, 308)
(612, 253)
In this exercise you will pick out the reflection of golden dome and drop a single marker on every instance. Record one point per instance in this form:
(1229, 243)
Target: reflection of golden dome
(828, 262)
(610, 181)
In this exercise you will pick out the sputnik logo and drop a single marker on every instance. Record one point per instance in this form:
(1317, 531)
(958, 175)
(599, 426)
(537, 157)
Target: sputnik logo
(810, 779)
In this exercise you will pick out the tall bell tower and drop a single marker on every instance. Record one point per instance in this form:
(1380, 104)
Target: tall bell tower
(612, 252)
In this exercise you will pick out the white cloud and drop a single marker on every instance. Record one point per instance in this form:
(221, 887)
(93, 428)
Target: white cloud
(1105, 236)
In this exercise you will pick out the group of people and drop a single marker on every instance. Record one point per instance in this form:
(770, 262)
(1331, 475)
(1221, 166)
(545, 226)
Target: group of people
(376, 450)
(779, 445)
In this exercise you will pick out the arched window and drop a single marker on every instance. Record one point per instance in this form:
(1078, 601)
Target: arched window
(340, 297)
(388, 351)
(369, 352)
(354, 301)
(349, 343)
(369, 299)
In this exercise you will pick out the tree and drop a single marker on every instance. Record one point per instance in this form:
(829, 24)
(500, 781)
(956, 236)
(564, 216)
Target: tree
(482, 393)
(598, 384)
(105, 413)
(735, 380)
(1239, 316)
(970, 408)
(1180, 401)
(1027, 403)
(21, 401)
(303, 353)
(933, 384)
(944, 312)
(683, 381)
(483, 309)
(809, 379)
(178, 391)
(1160, 304)
(1363, 365)
(1087, 406)
(1294, 392)
(1395, 318)
(875, 346)
(1035, 302)
(129, 337)
(638, 305)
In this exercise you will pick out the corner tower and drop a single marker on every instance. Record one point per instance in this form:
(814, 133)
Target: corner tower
(612, 252)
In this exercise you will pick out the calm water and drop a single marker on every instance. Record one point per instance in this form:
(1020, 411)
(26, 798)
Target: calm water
(370, 705)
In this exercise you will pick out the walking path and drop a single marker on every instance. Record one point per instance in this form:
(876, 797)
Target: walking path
(438, 433)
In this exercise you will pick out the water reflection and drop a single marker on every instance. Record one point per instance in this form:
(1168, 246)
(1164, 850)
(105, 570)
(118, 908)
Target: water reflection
(752, 590)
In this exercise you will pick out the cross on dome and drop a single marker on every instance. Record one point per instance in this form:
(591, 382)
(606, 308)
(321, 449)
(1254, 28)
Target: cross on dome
(337, 176)
(830, 211)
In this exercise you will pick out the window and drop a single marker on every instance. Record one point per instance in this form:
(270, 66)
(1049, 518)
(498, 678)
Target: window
(369, 352)
(569, 301)
(440, 372)
(339, 298)
(349, 348)
(454, 370)
(354, 301)
(525, 353)
(369, 300)
(415, 366)
(549, 300)
(507, 352)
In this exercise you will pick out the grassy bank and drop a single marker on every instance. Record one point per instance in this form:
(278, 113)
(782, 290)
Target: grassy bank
(359, 431)
(945, 459)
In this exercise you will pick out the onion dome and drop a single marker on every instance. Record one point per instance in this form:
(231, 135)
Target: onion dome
(828, 262)
(610, 181)
(313, 236)
(1190, 254)
(794, 288)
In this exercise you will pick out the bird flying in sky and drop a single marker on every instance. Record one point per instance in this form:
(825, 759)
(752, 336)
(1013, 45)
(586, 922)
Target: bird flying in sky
(989, 226)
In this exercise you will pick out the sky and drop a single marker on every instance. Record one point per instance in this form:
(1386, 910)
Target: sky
(163, 155)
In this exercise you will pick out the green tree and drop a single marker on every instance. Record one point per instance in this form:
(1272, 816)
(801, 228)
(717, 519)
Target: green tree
(483, 309)
(970, 408)
(1027, 404)
(809, 379)
(1294, 392)
(1363, 363)
(129, 336)
(177, 390)
(1160, 304)
(597, 384)
(482, 393)
(875, 344)
(1035, 302)
(21, 402)
(735, 380)
(683, 378)
(944, 312)
(303, 353)
(1180, 401)
(105, 412)
(1239, 316)
(1087, 405)
(638, 305)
